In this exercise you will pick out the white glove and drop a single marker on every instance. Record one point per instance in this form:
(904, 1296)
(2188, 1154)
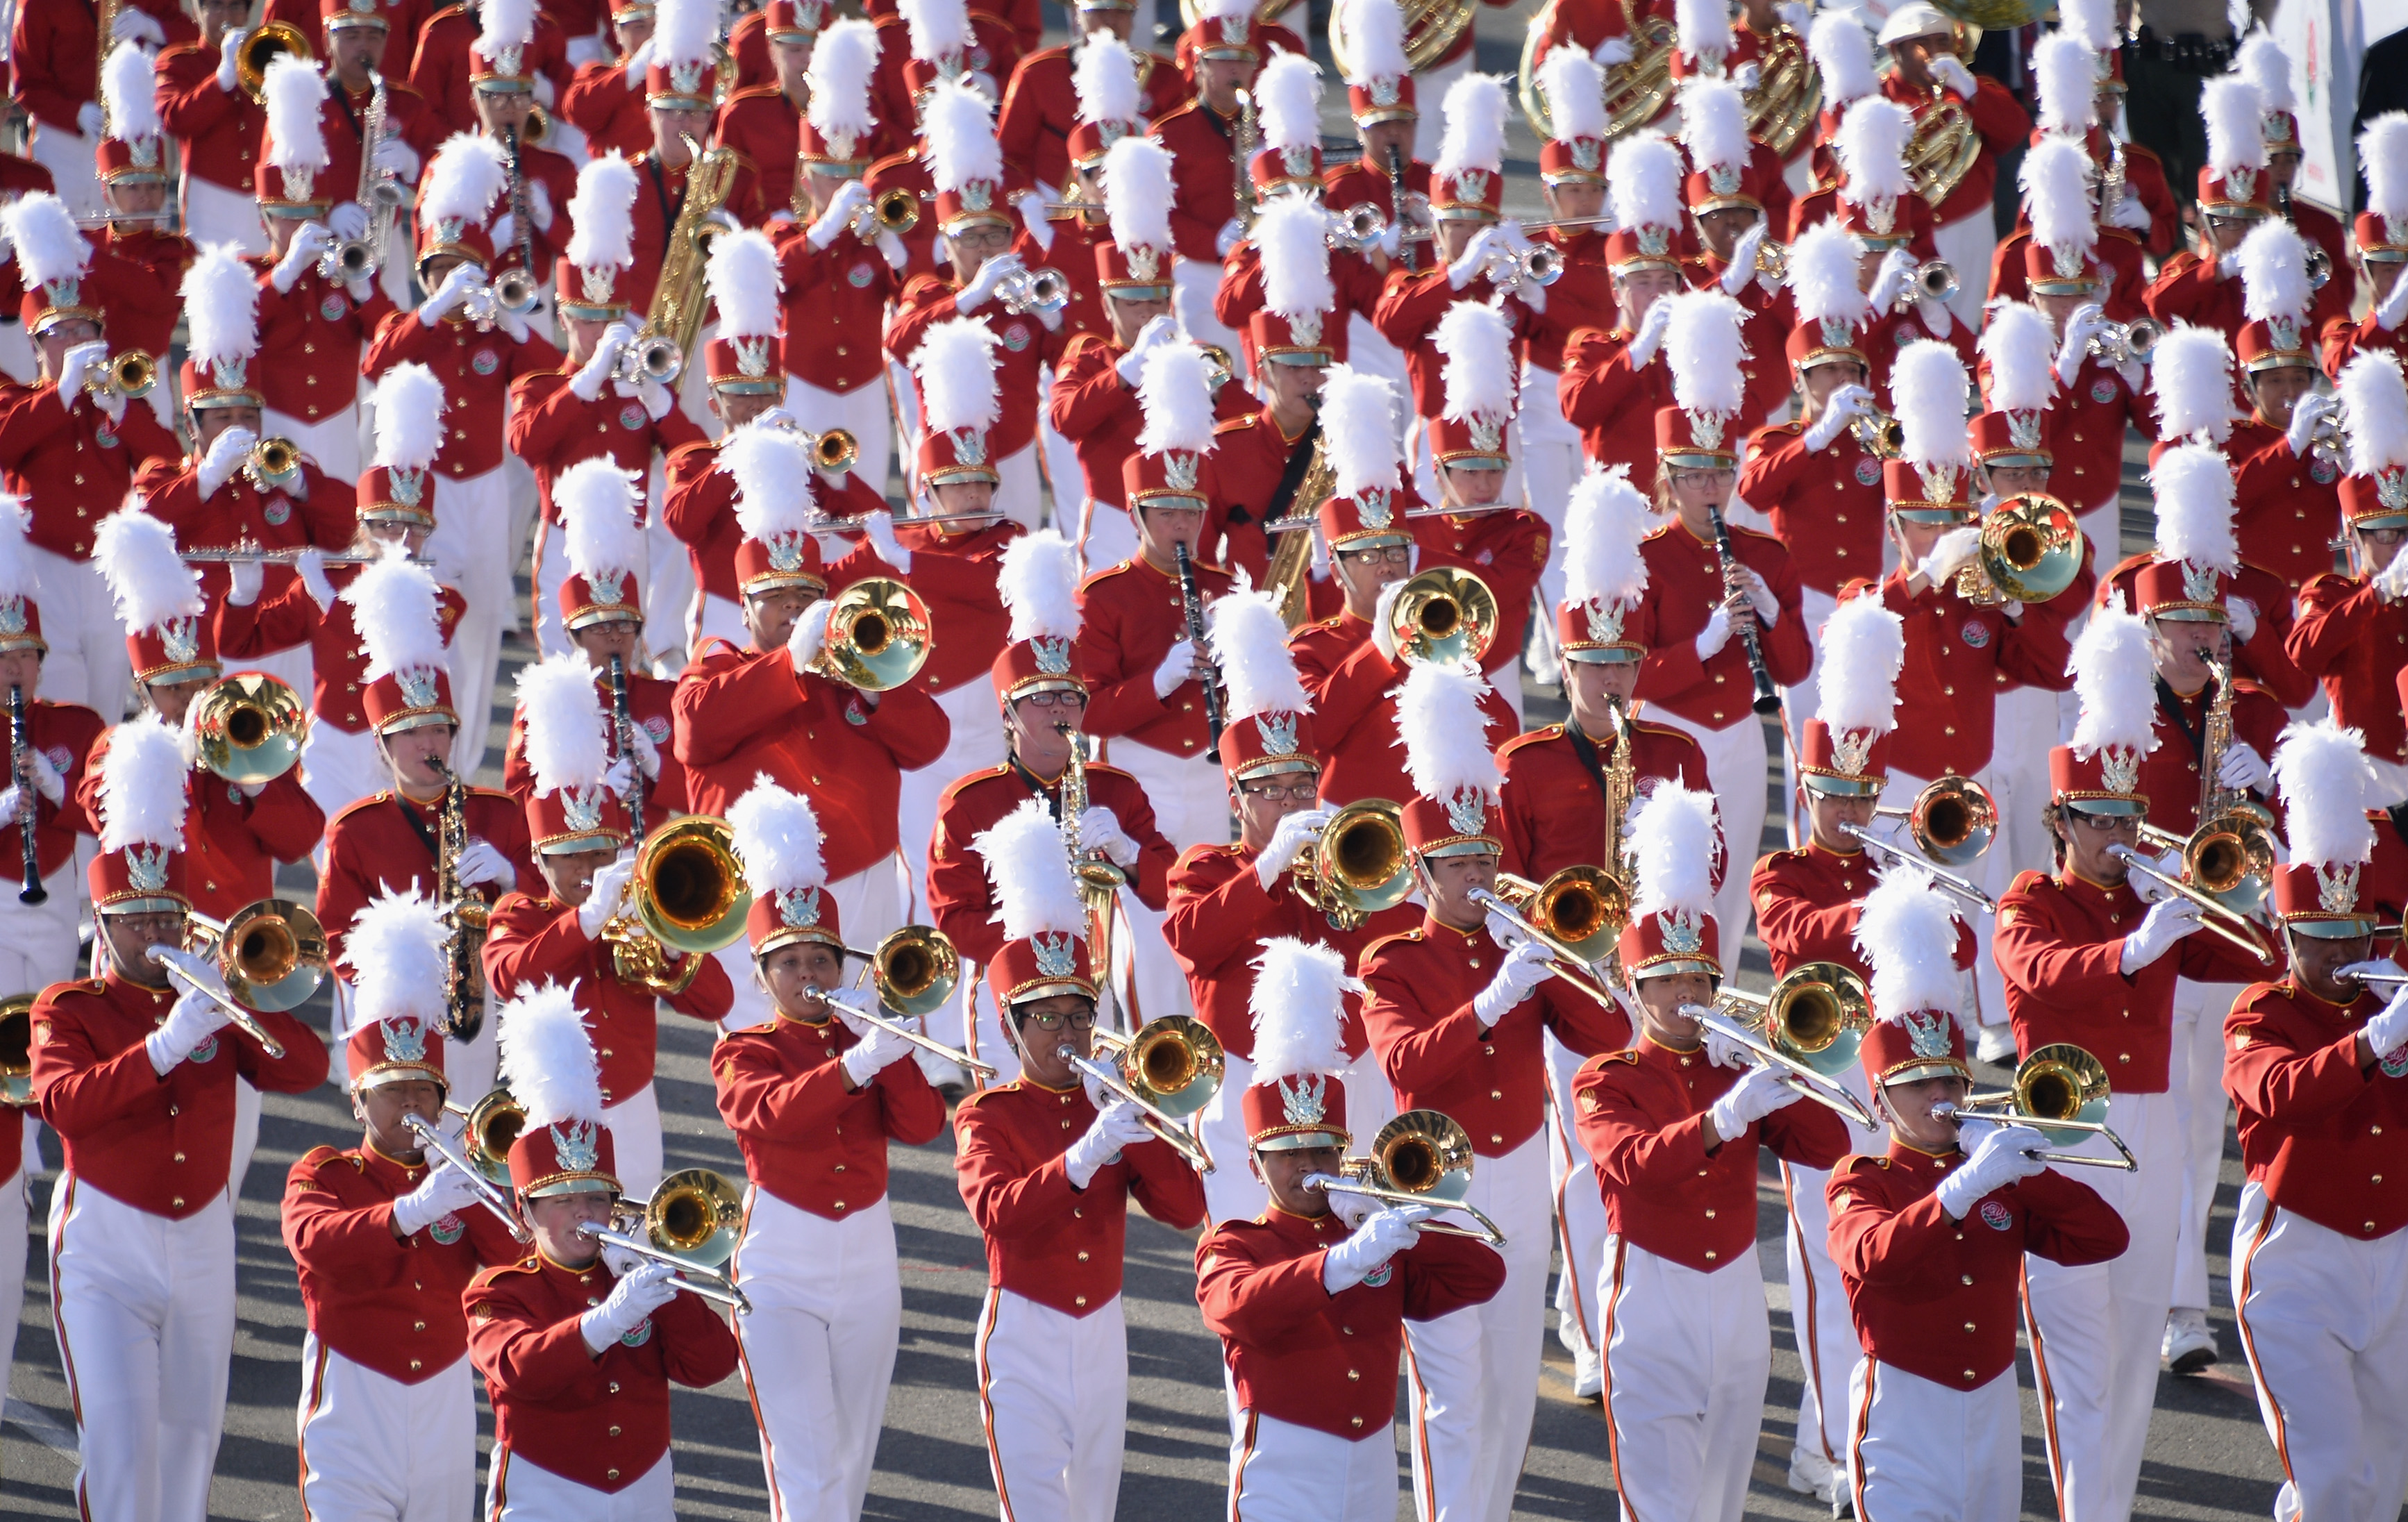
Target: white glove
(1748, 76)
(1613, 52)
(843, 207)
(2131, 214)
(2088, 320)
(1099, 830)
(1524, 968)
(1843, 408)
(1749, 1101)
(134, 25)
(2242, 768)
(634, 1297)
(1997, 1160)
(990, 275)
(1350, 1208)
(244, 580)
(1715, 634)
(2387, 1030)
(504, 234)
(90, 119)
(810, 633)
(481, 863)
(1725, 1052)
(1384, 639)
(1650, 337)
(1897, 268)
(1032, 218)
(587, 383)
(866, 1059)
(638, 61)
(12, 804)
(657, 398)
(230, 58)
(1742, 265)
(1760, 598)
(879, 529)
(1934, 317)
(2242, 614)
(194, 1018)
(1158, 331)
(1951, 71)
(1392, 239)
(890, 248)
(1290, 838)
(2166, 922)
(1380, 1238)
(222, 457)
(610, 888)
(2304, 417)
(2392, 580)
(1118, 1125)
(539, 199)
(451, 293)
(515, 325)
(348, 220)
(1177, 668)
(46, 779)
(2392, 309)
(1952, 552)
(444, 1191)
(399, 159)
(1475, 258)
(2149, 889)
(310, 241)
(75, 367)
(1232, 233)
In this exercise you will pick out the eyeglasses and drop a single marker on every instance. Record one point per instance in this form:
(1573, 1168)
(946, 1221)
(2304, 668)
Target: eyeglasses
(1085, 1021)
(1053, 699)
(1302, 792)
(1706, 475)
(1394, 554)
(2107, 824)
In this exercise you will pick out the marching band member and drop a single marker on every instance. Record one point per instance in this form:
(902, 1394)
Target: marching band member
(760, 121)
(1934, 1407)
(1043, 694)
(1037, 1159)
(818, 1255)
(1611, 384)
(391, 840)
(54, 58)
(2086, 962)
(358, 44)
(1558, 798)
(134, 182)
(215, 124)
(1310, 1309)
(2352, 628)
(1381, 94)
(578, 824)
(2261, 61)
(579, 1344)
(458, 45)
(1286, 167)
(1735, 195)
(1228, 902)
(37, 941)
(2290, 508)
(1875, 199)
(137, 1075)
(1220, 52)
(946, 40)
(1452, 1034)
(2309, 1062)
(2381, 233)
(2066, 170)
(511, 73)
(1675, 1135)
(385, 1239)
(605, 99)
(1049, 92)
(1923, 74)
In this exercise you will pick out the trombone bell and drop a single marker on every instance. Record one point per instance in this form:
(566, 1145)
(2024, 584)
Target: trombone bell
(272, 953)
(260, 48)
(17, 1050)
(697, 1215)
(1953, 820)
(1358, 864)
(1174, 1065)
(915, 970)
(250, 729)
(1583, 909)
(2031, 550)
(493, 1123)
(1444, 616)
(689, 889)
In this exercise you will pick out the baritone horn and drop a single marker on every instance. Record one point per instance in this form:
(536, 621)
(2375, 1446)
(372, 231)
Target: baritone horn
(1169, 1070)
(1422, 1158)
(17, 1050)
(1444, 616)
(1808, 1027)
(129, 374)
(2031, 550)
(688, 893)
(692, 1223)
(249, 728)
(877, 635)
(260, 48)
(2060, 1091)
(1358, 865)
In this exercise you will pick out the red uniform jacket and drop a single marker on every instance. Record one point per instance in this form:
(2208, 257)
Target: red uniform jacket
(1807, 902)
(1130, 616)
(65, 735)
(650, 702)
(806, 1138)
(2121, 251)
(161, 257)
(1684, 581)
(1410, 305)
(1251, 450)
(440, 67)
(1025, 346)
(2170, 774)
(1936, 1297)
(282, 619)
(2345, 341)
(1642, 1117)
(1581, 297)
(1298, 1353)
(316, 332)
(2191, 290)
(534, 937)
(699, 508)
(161, 1145)
(740, 713)
(1202, 145)
(835, 304)
(1827, 507)
(1506, 550)
(2287, 510)
(1356, 282)
(318, 510)
(1555, 808)
(1438, 1056)
(217, 131)
(1220, 917)
(1097, 411)
(1040, 107)
(1354, 690)
(475, 369)
(1047, 1241)
(600, 103)
(54, 53)
(391, 1305)
(761, 124)
(386, 844)
(2353, 641)
(70, 465)
(2060, 945)
(551, 428)
(960, 900)
(1959, 656)
(230, 858)
(2318, 1132)
(1611, 403)
(601, 1422)
(954, 571)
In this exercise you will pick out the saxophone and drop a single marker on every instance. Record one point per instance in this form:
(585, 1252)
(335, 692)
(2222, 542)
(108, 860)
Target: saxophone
(1243, 139)
(1292, 559)
(463, 980)
(2110, 182)
(1099, 881)
(1621, 790)
(675, 318)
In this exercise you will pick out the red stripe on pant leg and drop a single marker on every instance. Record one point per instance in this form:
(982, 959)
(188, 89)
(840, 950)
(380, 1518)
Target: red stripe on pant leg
(1810, 1339)
(2047, 1392)
(1609, 1304)
(987, 1405)
(317, 1399)
(1238, 1480)
(1857, 1444)
(2249, 1344)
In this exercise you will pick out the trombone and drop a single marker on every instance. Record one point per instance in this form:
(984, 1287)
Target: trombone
(913, 970)
(1809, 1027)
(1357, 866)
(2061, 1092)
(2214, 915)
(17, 1050)
(1576, 914)
(431, 1138)
(1921, 860)
(249, 727)
(692, 1223)
(1445, 616)
(271, 956)
(1953, 820)
(1169, 1070)
(688, 892)
(487, 1130)
(1422, 1158)
(2230, 857)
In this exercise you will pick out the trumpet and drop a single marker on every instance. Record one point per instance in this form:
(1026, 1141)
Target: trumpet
(2031, 550)
(1422, 1158)
(2321, 268)
(1445, 616)
(913, 970)
(689, 893)
(2328, 438)
(1808, 1027)
(1358, 865)
(1169, 1070)
(431, 1138)
(350, 259)
(692, 1223)
(260, 48)
(271, 956)
(512, 291)
(2120, 342)
(2061, 1092)
(1539, 264)
(129, 374)
(1935, 281)
(1039, 291)
(1962, 887)
(1879, 434)
(835, 450)
(896, 210)
(877, 635)
(249, 728)
(1576, 916)
(17, 1050)
(272, 459)
(1952, 820)
(488, 1127)
(2213, 914)
(658, 359)
(1357, 227)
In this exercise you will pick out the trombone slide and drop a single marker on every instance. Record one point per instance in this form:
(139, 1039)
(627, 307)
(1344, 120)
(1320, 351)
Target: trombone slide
(1961, 887)
(986, 1072)
(492, 1198)
(240, 1018)
(2124, 1162)
(711, 1283)
(1484, 1229)
(2213, 916)
(1806, 1080)
(1160, 1125)
(1562, 960)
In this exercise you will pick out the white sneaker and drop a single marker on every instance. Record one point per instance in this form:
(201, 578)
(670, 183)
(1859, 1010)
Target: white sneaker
(1588, 1376)
(1996, 1044)
(2189, 1343)
(1811, 1474)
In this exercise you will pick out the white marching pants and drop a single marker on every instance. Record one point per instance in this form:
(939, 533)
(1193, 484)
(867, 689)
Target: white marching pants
(1231, 1191)
(144, 1310)
(13, 1212)
(714, 617)
(1580, 1213)
(2027, 725)
(1066, 485)
(2324, 1319)
(2096, 1330)
(1736, 758)
(1967, 244)
(818, 1349)
(1798, 704)
(1194, 282)
(903, 391)
(1054, 1396)
(1993, 874)
(1020, 495)
(333, 440)
(671, 590)
(340, 767)
(1282, 1472)
(87, 662)
(635, 1127)
(1922, 1452)
(1474, 1372)
(865, 411)
(17, 358)
(1191, 807)
(1688, 1355)
(2195, 1078)
(1818, 1311)
(220, 214)
(868, 904)
(518, 1490)
(37, 941)
(471, 551)
(70, 158)
(1551, 466)
(374, 1449)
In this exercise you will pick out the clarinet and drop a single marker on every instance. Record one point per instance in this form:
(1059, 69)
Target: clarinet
(1767, 697)
(21, 768)
(521, 220)
(1406, 253)
(1195, 607)
(622, 723)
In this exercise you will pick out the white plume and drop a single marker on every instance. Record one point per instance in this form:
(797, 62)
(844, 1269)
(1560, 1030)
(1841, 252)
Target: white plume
(2374, 410)
(399, 950)
(1704, 344)
(1298, 1010)
(1037, 580)
(1358, 413)
(502, 23)
(1481, 376)
(2091, 21)
(397, 608)
(18, 577)
(293, 96)
(1287, 100)
(1174, 387)
(43, 233)
(960, 136)
(1139, 193)
(2273, 262)
(1907, 930)
(220, 306)
(2021, 349)
(684, 31)
(2064, 77)
(1575, 91)
(1104, 78)
(1445, 735)
(126, 82)
(149, 583)
(467, 179)
(938, 28)
(2235, 115)
(1249, 641)
(955, 364)
(772, 466)
(1029, 876)
(2190, 379)
(1928, 392)
(1672, 837)
(600, 502)
(1606, 520)
(1376, 30)
(2383, 157)
(1703, 29)
(567, 739)
(745, 283)
(1474, 137)
(547, 1058)
(142, 785)
(2327, 785)
(1822, 275)
(1714, 122)
(408, 405)
(1642, 181)
(1842, 51)
(778, 840)
(601, 214)
(1863, 646)
(2193, 486)
(1292, 233)
(2055, 179)
(1871, 148)
(2116, 682)
(2262, 62)
(841, 62)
